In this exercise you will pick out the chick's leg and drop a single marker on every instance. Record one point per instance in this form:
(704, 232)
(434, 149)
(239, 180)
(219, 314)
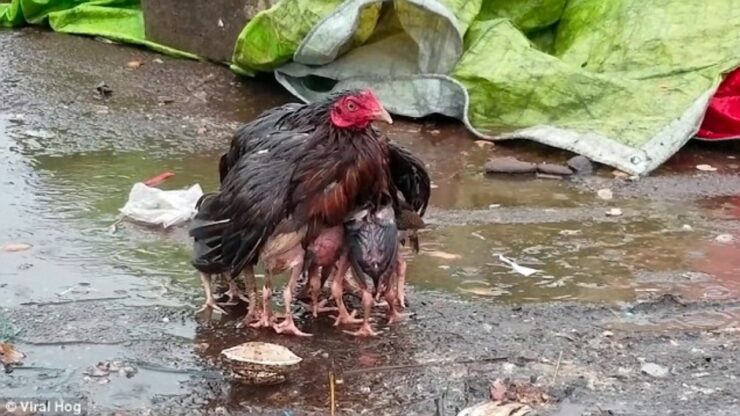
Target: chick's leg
(266, 319)
(288, 325)
(401, 281)
(250, 287)
(391, 297)
(210, 304)
(337, 290)
(367, 303)
(316, 282)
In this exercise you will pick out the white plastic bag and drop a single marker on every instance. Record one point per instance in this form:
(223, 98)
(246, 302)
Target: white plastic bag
(157, 207)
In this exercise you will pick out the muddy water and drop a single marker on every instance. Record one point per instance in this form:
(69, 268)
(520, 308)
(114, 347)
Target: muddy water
(132, 291)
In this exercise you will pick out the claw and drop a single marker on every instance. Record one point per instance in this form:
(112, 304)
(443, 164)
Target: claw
(394, 317)
(365, 331)
(320, 307)
(346, 318)
(209, 306)
(288, 327)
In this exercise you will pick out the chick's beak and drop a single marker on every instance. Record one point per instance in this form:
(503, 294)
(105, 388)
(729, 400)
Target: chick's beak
(382, 115)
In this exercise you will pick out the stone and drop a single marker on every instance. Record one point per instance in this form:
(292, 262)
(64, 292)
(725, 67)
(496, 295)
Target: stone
(581, 165)
(554, 169)
(654, 370)
(509, 165)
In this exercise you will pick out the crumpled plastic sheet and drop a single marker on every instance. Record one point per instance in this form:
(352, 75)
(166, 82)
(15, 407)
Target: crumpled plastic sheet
(166, 208)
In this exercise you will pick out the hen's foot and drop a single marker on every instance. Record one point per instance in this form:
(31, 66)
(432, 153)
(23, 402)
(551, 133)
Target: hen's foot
(344, 318)
(365, 331)
(288, 327)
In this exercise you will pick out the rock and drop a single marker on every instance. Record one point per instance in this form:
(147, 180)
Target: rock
(606, 194)
(509, 165)
(581, 165)
(724, 238)
(654, 370)
(554, 169)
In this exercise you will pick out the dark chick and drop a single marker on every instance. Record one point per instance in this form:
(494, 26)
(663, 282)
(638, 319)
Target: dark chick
(276, 200)
(372, 242)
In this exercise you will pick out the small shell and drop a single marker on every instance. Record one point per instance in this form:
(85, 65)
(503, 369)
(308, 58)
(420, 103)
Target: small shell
(261, 353)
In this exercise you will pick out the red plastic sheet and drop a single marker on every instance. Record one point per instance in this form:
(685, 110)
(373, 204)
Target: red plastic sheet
(722, 121)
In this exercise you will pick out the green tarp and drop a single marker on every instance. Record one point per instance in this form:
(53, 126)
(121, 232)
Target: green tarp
(624, 82)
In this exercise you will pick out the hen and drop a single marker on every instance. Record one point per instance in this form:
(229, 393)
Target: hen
(277, 198)
(407, 173)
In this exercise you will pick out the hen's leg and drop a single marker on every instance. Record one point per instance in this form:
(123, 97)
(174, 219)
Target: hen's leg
(401, 281)
(337, 290)
(210, 304)
(250, 286)
(288, 326)
(365, 330)
(266, 319)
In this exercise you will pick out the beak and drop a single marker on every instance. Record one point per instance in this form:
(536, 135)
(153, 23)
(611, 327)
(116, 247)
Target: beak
(382, 115)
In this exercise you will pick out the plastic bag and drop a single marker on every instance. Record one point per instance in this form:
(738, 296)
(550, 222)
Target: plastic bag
(157, 207)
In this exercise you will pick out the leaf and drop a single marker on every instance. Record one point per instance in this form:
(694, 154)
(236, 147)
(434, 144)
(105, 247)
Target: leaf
(498, 391)
(9, 355)
(706, 168)
(525, 271)
(15, 247)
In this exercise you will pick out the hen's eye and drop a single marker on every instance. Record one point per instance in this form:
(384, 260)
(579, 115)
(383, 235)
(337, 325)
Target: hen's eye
(351, 106)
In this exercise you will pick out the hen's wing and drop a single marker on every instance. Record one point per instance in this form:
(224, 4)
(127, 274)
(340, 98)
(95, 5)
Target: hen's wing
(257, 135)
(253, 200)
(409, 175)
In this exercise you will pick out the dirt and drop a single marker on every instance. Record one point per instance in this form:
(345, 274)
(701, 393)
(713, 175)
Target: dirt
(652, 286)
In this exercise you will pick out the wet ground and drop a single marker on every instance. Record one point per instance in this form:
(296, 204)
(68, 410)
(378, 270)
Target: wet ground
(658, 284)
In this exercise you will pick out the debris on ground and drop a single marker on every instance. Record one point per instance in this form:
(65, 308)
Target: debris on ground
(724, 238)
(443, 255)
(520, 392)
(509, 165)
(155, 206)
(581, 165)
(102, 371)
(134, 64)
(525, 271)
(606, 194)
(706, 168)
(104, 90)
(9, 356)
(496, 409)
(614, 212)
(654, 370)
(38, 134)
(14, 247)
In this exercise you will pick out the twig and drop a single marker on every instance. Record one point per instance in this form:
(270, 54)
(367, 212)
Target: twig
(332, 401)
(557, 367)
(419, 365)
(65, 302)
